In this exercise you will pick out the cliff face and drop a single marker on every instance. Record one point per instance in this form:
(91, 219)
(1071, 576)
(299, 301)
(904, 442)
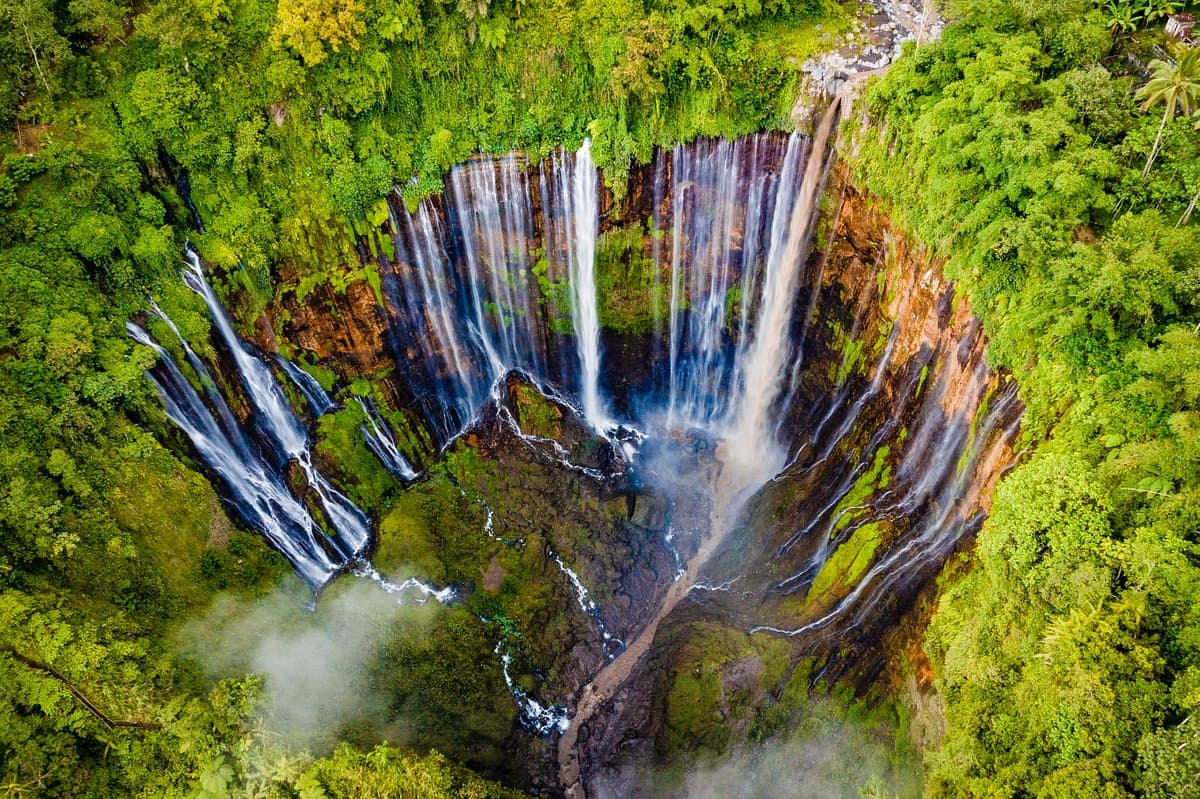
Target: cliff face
(899, 432)
(896, 431)
(346, 330)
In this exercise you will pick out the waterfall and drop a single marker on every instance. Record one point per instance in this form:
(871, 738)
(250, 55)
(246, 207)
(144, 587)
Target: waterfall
(583, 211)
(250, 484)
(466, 291)
(482, 283)
(730, 203)
(501, 273)
(381, 442)
(761, 372)
(317, 398)
(280, 423)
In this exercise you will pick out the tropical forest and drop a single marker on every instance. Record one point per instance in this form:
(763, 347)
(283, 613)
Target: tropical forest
(591, 399)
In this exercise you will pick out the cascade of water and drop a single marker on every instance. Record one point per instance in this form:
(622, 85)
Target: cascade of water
(761, 375)
(401, 590)
(589, 607)
(251, 485)
(583, 211)
(724, 213)
(537, 718)
(317, 398)
(468, 307)
(280, 422)
(426, 297)
(380, 441)
(489, 208)
(937, 466)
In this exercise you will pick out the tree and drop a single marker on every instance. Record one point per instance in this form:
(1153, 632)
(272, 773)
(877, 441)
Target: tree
(29, 29)
(1177, 87)
(309, 26)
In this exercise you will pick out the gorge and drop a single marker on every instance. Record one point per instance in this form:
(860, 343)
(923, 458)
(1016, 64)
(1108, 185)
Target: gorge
(768, 359)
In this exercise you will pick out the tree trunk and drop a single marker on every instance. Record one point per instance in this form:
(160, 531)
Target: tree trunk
(1183, 220)
(1157, 141)
(104, 718)
(36, 62)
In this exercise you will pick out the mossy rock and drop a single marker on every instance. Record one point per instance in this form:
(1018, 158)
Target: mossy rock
(720, 676)
(847, 565)
(535, 414)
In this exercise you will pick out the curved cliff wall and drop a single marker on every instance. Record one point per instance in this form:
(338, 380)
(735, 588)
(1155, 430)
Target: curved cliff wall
(883, 440)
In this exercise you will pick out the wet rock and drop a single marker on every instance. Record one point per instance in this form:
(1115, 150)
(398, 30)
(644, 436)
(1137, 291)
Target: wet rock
(649, 511)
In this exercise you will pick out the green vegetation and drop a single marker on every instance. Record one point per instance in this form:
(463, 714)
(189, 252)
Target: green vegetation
(726, 687)
(875, 478)
(290, 121)
(720, 676)
(1020, 148)
(848, 563)
(1068, 657)
(632, 295)
(536, 414)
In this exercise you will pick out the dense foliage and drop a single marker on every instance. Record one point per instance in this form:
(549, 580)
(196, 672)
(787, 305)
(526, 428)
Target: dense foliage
(1020, 149)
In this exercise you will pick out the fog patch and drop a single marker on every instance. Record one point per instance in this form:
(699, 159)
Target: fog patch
(828, 756)
(323, 669)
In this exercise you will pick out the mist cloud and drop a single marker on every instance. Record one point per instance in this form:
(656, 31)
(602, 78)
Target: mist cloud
(317, 665)
(826, 757)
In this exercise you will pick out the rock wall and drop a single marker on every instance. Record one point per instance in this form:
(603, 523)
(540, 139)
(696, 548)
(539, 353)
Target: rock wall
(899, 433)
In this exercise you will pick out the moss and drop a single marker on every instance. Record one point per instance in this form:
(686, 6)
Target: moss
(852, 352)
(776, 713)
(536, 414)
(370, 273)
(203, 550)
(406, 540)
(848, 563)
(921, 380)
(721, 683)
(553, 295)
(340, 442)
(632, 297)
(876, 478)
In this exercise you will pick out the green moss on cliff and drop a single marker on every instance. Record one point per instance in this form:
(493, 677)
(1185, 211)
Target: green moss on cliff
(720, 677)
(877, 477)
(341, 444)
(632, 294)
(536, 414)
(848, 563)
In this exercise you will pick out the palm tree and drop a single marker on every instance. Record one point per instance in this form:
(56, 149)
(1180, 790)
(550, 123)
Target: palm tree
(1122, 17)
(1177, 87)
